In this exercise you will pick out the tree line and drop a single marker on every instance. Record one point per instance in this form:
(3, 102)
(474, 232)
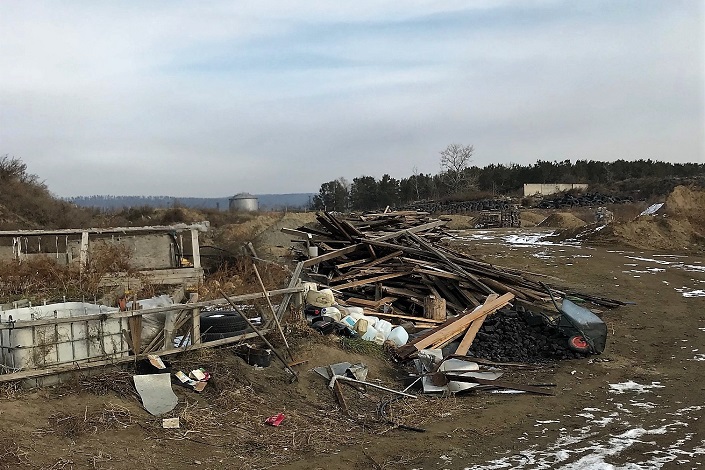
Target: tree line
(463, 182)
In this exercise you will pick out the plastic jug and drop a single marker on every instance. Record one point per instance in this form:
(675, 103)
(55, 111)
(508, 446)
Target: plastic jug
(371, 320)
(383, 327)
(370, 334)
(398, 336)
(350, 321)
(332, 312)
(361, 326)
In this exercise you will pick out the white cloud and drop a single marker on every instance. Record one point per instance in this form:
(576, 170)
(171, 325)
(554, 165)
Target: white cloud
(129, 98)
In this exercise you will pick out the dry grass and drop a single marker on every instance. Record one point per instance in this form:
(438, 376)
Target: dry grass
(40, 279)
(118, 381)
(240, 278)
(11, 454)
(111, 416)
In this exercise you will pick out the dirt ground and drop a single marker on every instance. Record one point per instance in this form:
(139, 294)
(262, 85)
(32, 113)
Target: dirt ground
(652, 420)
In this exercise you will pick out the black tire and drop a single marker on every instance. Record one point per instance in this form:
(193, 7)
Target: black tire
(205, 337)
(222, 322)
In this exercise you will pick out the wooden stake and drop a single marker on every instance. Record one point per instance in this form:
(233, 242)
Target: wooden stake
(274, 312)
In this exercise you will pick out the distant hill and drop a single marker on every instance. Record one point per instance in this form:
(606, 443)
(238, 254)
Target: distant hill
(266, 201)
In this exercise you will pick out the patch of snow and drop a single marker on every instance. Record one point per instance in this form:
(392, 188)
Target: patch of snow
(632, 386)
(687, 293)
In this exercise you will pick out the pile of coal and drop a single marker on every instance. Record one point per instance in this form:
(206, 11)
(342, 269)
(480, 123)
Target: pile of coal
(510, 336)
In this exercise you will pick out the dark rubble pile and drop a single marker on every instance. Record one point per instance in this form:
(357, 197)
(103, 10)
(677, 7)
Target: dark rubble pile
(510, 336)
(564, 200)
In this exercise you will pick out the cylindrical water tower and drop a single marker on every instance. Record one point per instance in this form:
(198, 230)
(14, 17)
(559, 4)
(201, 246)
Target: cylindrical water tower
(243, 202)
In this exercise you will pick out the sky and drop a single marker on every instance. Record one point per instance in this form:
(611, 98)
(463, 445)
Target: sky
(208, 99)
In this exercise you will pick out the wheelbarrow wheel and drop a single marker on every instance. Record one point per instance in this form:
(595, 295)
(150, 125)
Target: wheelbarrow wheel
(578, 343)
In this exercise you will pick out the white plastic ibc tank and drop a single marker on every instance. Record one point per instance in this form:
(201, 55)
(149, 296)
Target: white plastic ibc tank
(398, 336)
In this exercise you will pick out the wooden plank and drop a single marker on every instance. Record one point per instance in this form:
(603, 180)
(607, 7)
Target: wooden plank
(357, 273)
(382, 259)
(443, 257)
(202, 226)
(370, 280)
(404, 317)
(83, 253)
(418, 228)
(374, 304)
(332, 255)
(472, 331)
(350, 264)
(297, 233)
(196, 326)
(195, 249)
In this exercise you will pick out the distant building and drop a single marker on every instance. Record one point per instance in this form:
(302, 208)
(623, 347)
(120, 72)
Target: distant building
(244, 202)
(544, 189)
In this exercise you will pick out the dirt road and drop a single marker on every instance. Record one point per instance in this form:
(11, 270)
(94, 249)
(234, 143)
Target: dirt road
(639, 405)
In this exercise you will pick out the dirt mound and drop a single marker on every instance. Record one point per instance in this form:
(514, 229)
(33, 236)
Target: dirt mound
(531, 219)
(686, 202)
(562, 220)
(681, 226)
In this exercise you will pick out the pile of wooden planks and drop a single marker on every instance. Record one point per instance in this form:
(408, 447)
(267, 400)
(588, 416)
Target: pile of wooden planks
(393, 259)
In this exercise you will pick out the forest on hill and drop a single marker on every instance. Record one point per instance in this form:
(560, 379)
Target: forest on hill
(457, 180)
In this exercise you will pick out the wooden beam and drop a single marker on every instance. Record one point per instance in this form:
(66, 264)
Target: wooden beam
(404, 317)
(195, 249)
(370, 280)
(474, 328)
(331, 255)
(418, 228)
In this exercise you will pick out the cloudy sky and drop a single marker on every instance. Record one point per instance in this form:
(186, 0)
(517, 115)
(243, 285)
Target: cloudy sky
(193, 98)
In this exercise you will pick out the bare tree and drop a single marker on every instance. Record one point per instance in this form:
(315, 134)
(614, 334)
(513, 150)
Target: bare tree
(415, 170)
(455, 161)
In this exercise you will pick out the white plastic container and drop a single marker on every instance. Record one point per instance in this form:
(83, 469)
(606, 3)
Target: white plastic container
(355, 311)
(370, 334)
(398, 336)
(331, 312)
(384, 327)
(361, 326)
(371, 320)
(30, 347)
(350, 321)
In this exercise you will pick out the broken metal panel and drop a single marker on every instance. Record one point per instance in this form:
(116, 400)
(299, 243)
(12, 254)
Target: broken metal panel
(155, 391)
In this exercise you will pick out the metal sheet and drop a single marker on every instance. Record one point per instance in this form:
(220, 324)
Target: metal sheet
(155, 391)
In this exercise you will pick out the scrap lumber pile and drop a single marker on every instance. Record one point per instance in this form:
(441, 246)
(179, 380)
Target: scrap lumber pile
(394, 259)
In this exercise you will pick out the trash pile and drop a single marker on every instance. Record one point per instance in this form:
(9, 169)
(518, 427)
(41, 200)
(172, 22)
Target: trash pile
(386, 278)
